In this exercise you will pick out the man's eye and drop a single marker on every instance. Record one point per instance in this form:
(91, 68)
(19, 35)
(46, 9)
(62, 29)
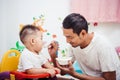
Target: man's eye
(70, 37)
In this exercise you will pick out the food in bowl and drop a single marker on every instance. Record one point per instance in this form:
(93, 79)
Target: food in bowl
(63, 60)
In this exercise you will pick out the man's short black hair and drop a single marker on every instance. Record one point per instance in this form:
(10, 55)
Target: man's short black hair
(76, 22)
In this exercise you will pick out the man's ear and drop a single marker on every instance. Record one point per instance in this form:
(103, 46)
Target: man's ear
(82, 34)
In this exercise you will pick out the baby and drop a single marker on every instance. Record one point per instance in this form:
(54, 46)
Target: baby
(31, 59)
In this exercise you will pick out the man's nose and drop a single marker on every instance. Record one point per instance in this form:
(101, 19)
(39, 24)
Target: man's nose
(68, 41)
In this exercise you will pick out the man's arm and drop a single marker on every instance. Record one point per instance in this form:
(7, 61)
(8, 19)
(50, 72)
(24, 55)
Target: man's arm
(105, 76)
(109, 75)
(70, 70)
(52, 49)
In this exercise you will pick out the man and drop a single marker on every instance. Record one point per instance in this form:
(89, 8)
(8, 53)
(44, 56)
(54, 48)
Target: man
(95, 55)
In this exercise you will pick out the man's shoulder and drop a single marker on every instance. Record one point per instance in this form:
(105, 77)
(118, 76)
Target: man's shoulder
(99, 38)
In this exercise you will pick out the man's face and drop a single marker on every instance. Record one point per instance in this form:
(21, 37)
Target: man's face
(72, 38)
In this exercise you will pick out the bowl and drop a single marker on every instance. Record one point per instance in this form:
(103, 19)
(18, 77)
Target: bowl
(63, 60)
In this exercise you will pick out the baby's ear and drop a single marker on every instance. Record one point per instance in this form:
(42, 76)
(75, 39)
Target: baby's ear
(32, 40)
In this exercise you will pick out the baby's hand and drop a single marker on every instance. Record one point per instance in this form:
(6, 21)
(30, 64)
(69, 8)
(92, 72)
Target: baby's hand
(51, 72)
(57, 70)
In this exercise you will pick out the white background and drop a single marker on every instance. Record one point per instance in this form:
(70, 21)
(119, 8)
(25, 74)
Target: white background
(16, 12)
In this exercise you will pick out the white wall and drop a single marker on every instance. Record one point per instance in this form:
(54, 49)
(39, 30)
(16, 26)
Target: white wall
(15, 12)
(109, 30)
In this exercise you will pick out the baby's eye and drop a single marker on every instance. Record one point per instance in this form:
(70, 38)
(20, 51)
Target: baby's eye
(41, 38)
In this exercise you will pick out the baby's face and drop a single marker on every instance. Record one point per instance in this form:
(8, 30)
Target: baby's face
(38, 41)
(34, 42)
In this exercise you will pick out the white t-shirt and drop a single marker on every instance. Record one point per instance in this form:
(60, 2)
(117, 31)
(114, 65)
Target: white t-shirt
(99, 56)
(30, 60)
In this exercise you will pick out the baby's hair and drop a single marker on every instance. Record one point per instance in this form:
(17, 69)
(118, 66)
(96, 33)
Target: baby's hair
(27, 30)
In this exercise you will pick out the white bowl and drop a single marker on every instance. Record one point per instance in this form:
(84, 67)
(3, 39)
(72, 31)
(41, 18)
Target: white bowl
(63, 60)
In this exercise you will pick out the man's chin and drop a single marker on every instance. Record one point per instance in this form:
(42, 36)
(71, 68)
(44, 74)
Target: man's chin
(74, 46)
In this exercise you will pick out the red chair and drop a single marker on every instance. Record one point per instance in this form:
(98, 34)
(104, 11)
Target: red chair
(10, 62)
(23, 75)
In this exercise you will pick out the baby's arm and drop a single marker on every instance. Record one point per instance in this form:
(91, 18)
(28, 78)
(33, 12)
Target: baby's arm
(49, 66)
(41, 70)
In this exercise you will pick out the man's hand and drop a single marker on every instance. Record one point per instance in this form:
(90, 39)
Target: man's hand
(68, 69)
(52, 49)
